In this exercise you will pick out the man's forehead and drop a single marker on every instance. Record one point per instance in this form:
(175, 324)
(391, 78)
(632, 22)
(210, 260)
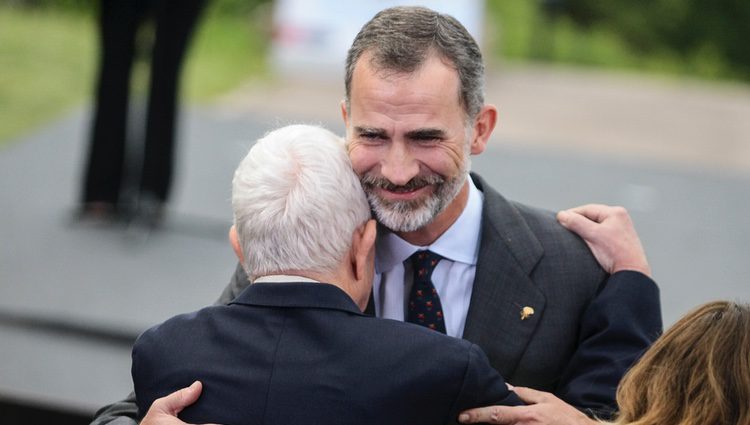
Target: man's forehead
(367, 66)
(405, 93)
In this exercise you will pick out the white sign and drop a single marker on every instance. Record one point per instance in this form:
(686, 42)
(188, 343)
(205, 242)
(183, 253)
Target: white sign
(311, 37)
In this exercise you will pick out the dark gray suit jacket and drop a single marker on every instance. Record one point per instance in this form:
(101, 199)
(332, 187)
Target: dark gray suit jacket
(580, 340)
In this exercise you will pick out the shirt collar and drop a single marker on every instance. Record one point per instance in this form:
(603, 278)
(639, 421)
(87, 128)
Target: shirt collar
(460, 243)
(283, 278)
(297, 295)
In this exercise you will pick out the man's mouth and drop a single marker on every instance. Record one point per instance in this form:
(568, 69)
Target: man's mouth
(403, 189)
(414, 189)
(402, 193)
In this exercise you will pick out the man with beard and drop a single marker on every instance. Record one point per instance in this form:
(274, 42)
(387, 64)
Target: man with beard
(506, 276)
(284, 350)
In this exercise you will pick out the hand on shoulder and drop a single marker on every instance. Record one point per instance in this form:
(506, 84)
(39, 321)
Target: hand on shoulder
(164, 410)
(543, 409)
(609, 233)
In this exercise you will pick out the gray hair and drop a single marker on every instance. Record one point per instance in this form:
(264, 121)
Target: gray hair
(401, 38)
(296, 202)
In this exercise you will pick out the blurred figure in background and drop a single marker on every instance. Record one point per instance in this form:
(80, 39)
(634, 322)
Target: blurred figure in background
(119, 23)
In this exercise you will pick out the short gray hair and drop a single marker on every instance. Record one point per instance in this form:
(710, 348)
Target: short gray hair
(401, 38)
(296, 202)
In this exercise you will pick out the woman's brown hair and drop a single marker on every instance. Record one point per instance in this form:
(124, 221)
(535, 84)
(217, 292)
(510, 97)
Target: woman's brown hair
(697, 373)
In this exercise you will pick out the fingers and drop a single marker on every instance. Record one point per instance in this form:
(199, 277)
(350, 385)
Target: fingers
(595, 212)
(491, 415)
(173, 404)
(543, 409)
(577, 223)
(164, 410)
(598, 212)
(505, 414)
(532, 396)
(609, 233)
(584, 219)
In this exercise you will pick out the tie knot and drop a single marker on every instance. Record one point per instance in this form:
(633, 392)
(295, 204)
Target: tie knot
(424, 262)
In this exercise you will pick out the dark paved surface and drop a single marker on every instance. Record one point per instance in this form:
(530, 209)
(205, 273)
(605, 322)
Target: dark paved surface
(72, 296)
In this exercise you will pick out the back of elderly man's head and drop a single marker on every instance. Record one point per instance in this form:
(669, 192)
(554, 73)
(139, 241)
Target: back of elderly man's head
(296, 202)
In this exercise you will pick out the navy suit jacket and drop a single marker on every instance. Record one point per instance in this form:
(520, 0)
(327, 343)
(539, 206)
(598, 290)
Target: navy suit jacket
(287, 353)
(587, 328)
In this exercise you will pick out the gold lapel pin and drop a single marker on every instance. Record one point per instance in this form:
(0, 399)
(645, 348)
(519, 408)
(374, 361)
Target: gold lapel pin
(526, 312)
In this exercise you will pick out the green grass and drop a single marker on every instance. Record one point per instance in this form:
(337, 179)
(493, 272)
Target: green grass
(48, 58)
(47, 63)
(226, 51)
(519, 31)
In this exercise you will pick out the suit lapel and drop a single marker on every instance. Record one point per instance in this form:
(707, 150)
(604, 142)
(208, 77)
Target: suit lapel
(508, 253)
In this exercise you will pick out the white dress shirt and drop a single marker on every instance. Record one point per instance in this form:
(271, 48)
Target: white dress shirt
(453, 276)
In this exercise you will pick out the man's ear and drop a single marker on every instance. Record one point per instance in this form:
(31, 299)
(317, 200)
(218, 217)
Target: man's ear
(484, 124)
(234, 240)
(344, 114)
(363, 251)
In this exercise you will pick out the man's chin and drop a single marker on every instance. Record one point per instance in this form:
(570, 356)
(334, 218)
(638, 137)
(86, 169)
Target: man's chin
(403, 226)
(403, 216)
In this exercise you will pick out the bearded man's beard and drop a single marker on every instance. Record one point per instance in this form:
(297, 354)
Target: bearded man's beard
(410, 215)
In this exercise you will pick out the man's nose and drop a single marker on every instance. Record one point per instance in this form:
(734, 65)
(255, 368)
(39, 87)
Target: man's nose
(399, 165)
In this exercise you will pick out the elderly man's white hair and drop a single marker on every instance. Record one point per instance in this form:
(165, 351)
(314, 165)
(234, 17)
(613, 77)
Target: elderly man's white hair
(296, 202)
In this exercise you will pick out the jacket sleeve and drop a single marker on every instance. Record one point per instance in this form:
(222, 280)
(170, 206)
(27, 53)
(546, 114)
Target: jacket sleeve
(482, 386)
(619, 324)
(123, 412)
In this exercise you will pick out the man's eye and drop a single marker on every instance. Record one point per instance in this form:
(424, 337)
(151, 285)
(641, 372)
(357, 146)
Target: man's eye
(426, 140)
(427, 137)
(371, 137)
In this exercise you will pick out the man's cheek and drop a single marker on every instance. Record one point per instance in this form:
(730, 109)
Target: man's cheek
(361, 162)
(451, 161)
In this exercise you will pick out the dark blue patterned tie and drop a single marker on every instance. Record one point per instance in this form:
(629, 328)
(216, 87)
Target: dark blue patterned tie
(424, 303)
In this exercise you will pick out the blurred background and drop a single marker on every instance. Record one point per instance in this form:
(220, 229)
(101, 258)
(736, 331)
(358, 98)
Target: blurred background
(645, 104)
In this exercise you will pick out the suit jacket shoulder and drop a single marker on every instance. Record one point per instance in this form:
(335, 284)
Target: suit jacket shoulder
(527, 260)
(280, 360)
(157, 346)
(529, 263)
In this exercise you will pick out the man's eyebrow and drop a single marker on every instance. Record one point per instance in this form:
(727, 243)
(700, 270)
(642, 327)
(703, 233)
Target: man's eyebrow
(371, 131)
(426, 134)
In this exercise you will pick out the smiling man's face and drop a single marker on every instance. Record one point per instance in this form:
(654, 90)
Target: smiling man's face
(407, 139)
